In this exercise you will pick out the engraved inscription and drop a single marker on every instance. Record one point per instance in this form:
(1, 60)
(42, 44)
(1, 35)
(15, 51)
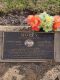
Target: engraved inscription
(25, 45)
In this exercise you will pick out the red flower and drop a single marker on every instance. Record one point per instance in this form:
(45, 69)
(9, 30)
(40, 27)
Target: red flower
(56, 24)
(34, 22)
(57, 18)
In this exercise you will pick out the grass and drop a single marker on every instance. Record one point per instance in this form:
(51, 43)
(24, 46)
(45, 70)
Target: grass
(51, 6)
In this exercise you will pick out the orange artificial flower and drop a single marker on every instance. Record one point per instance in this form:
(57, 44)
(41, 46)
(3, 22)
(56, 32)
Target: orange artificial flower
(57, 18)
(34, 22)
(56, 24)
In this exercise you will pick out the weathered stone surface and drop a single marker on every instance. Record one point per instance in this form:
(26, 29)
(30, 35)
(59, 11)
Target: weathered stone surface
(53, 74)
(12, 74)
(12, 28)
(29, 71)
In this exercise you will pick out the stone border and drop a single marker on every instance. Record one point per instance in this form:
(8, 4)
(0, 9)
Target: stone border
(12, 28)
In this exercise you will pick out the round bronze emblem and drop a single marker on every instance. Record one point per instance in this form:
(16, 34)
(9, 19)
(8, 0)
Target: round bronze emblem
(29, 43)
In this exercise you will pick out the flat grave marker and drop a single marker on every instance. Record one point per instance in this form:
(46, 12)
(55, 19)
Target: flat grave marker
(28, 46)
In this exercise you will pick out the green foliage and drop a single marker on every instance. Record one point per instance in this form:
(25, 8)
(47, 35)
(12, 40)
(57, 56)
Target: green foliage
(51, 6)
(15, 4)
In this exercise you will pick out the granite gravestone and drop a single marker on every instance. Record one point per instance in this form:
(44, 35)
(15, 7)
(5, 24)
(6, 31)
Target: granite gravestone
(28, 46)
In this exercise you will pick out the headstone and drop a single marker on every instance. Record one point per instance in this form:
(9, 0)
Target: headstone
(27, 46)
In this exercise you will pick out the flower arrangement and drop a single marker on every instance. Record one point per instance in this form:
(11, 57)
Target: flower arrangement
(43, 21)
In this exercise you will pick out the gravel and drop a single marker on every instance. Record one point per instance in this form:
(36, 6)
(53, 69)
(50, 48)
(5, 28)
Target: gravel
(49, 70)
(10, 19)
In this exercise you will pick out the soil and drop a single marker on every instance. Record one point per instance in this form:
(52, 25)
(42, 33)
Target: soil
(11, 19)
(28, 71)
(15, 17)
